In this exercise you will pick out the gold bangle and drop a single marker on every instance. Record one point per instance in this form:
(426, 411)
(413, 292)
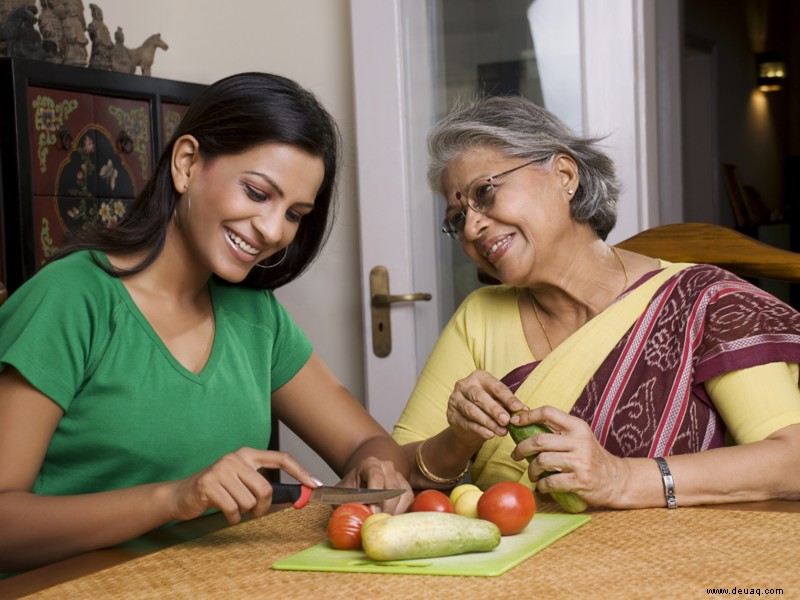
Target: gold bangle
(435, 478)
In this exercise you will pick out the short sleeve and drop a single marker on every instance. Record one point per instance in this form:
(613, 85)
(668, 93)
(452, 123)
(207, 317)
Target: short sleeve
(291, 349)
(425, 414)
(757, 401)
(484, 333)
(49, 330)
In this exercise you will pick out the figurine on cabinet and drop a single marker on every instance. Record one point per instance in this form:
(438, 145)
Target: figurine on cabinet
(52, 30)
(22, 39)
(74, 39)
(121, 59)
(77, 6)
(144, 55)
(102, 46)
(6, 8)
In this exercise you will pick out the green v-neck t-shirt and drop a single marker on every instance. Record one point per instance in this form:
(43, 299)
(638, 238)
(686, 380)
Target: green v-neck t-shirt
(132, 413)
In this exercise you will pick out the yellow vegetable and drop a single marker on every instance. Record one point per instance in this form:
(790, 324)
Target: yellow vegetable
(426, 535)
(466, 504)
(460, 489)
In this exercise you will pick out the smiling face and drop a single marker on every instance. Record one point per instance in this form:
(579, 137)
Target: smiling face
(527, 219)
(244, 207)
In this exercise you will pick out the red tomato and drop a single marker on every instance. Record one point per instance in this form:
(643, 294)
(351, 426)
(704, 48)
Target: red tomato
(432, 501)
(344, 526)
(509, 505)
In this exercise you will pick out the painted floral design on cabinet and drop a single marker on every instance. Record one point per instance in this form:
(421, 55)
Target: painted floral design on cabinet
(94, 156)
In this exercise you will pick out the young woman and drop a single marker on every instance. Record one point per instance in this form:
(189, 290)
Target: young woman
(141, 369)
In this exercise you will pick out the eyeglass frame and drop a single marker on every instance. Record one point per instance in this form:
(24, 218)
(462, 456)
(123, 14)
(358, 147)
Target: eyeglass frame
(447, 223)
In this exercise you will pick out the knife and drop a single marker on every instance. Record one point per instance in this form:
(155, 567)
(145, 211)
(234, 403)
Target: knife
(300, 495)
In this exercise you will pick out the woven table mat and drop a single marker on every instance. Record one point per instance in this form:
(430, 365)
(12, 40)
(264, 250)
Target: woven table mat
(618, 554)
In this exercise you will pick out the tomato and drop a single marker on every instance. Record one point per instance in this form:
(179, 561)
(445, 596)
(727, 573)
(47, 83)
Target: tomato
(432, 501)
(509, 505)
(344, 526)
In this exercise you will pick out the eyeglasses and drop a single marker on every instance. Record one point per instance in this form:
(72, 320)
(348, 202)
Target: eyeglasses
(480, 198)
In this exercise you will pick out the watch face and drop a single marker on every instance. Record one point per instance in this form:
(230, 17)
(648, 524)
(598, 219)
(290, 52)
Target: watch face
(669, 484)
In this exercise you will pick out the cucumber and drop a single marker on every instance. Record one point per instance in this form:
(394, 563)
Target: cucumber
(569, 501)
(427, 535)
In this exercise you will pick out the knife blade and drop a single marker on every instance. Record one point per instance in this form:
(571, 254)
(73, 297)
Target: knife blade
(300, 495)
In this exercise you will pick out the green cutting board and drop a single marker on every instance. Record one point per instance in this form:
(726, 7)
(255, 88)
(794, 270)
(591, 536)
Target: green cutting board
(542, 531)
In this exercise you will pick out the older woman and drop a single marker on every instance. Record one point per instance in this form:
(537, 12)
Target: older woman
(626, 358)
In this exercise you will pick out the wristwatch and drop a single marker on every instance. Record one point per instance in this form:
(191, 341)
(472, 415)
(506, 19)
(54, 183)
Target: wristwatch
(669, 484)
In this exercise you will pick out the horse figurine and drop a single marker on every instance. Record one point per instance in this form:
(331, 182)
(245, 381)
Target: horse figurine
(144, 55)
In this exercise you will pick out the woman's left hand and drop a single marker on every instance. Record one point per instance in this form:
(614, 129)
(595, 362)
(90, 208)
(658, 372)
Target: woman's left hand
(576, 460)
(379, 474)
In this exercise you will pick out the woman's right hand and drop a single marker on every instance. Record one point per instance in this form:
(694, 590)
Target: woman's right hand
(480, 408)
(234, 485)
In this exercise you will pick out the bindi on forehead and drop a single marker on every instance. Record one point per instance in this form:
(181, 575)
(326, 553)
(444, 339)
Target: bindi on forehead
(458, 195)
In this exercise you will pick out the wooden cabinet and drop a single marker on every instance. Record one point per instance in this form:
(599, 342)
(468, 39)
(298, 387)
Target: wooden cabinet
(77, 145)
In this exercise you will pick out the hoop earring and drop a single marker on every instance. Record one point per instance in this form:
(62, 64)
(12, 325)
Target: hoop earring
(285, 254)
(188, 212)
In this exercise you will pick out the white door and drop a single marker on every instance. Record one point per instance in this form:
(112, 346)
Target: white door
(592, 62)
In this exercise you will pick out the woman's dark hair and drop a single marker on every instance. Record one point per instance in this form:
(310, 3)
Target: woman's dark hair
(232, 116)
(519, 128)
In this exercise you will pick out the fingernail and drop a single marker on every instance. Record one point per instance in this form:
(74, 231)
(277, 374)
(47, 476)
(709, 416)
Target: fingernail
(316, 481)
(503, 419)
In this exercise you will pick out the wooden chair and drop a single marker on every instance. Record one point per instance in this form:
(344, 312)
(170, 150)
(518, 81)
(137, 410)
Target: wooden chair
(716, 245)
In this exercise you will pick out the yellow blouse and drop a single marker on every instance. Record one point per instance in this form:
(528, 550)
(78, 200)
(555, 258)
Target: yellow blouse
(753, 402)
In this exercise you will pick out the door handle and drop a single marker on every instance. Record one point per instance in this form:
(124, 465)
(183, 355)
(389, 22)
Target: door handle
(386, 299)
(380, 304)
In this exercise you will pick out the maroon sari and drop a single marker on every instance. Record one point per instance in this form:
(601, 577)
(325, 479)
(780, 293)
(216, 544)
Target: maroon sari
(647, 398)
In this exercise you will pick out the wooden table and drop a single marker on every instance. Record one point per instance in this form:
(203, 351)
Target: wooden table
(631, 554)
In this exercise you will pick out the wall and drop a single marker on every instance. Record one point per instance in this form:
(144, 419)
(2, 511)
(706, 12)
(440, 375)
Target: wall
(308, 41)
(752, 126)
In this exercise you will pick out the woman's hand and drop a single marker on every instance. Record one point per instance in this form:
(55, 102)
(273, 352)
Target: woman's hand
(234, 485)
(379, 474)
(576, 460)
(480, 408)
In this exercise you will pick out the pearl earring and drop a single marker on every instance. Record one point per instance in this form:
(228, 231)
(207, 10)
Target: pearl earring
(570, 192)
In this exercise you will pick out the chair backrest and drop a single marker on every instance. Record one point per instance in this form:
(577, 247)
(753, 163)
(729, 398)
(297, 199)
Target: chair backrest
(716, 245)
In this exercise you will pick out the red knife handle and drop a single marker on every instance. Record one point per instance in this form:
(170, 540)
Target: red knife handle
(297, 494)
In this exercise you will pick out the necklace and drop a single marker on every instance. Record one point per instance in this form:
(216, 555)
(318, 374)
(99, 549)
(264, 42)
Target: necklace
(536, 310)
(622, 264)
(538, 318)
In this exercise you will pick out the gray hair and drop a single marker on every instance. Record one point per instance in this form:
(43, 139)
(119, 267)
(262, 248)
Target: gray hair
(519, 128)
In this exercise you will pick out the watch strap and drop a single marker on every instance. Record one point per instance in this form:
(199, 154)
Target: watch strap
(669, 484)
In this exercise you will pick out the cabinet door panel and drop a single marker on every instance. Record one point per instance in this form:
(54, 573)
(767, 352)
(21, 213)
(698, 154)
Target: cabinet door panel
(61, 141)
(55, 216)
(118, 175)
(48, 229)
(127, 126)
(171, 115)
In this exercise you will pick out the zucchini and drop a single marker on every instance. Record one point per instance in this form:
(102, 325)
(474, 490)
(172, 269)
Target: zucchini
(427, 535)
(569, 501)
